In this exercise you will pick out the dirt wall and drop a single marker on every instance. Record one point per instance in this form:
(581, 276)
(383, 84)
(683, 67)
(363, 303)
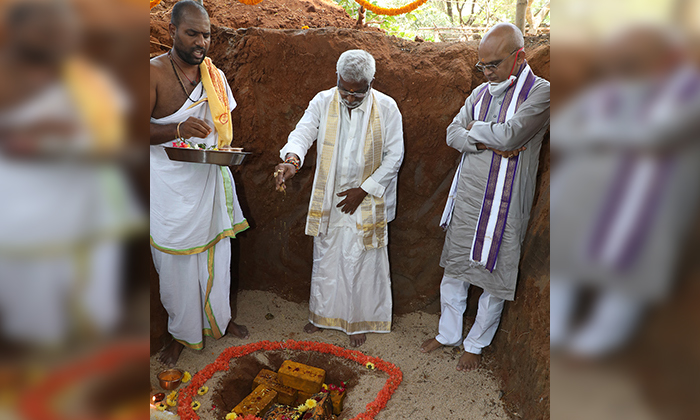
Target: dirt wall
(274, 74)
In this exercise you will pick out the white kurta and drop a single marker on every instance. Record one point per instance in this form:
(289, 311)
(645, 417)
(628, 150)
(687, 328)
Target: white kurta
(194, 210)
(526, 128)
(351, 286)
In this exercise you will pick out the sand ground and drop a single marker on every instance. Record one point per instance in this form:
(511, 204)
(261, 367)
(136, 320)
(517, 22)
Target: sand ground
(431, 389)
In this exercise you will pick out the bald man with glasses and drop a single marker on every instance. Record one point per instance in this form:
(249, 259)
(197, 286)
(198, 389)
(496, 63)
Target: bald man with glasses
(499, 132)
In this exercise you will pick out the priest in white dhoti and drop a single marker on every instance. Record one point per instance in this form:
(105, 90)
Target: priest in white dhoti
(499, 131)
(194, 207)
(359, 153)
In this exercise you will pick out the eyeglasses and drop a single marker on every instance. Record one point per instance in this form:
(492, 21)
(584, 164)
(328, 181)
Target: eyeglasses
(358, 95)
(492, 67)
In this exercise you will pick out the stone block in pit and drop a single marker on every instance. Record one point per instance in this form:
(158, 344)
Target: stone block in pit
(307, 379)
(257, 402)
(285, 394)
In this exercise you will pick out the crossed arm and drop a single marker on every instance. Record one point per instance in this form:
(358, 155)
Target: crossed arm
(506, 139)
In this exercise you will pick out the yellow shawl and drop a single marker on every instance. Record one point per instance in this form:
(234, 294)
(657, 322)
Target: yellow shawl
(215, 86)
(373, 211)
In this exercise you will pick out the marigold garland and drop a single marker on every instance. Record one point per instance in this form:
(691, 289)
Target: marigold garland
(388, 11)
(223, 363)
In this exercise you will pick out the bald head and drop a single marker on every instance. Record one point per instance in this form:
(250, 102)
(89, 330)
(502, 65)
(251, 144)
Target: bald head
(186, 7)
(503, 37)
(500, 52)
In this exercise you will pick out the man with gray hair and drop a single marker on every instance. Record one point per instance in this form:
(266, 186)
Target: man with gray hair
(499, 131)
(359, 152)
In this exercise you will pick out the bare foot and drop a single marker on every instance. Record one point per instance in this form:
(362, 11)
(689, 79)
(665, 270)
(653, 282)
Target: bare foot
(236, 330)
(171, 353)
(430, 345)
(356, 340)
(311, 328)
(468, 361)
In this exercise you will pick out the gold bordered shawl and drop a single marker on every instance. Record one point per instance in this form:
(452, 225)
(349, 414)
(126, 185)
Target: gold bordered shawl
(373, 210)
(215, 86)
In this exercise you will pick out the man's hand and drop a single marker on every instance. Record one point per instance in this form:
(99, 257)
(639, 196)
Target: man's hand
(505, 153)
(194, 127)
(508, 153)
(283, 172)
(353, 198)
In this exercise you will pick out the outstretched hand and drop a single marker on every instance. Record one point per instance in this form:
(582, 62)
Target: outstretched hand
(283, 172)
(353, 198)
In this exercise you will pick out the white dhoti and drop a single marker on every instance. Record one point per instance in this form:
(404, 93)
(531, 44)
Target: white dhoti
(200, 305)
(350, 286)
(350, 280)
(453, 303)
(194, 213)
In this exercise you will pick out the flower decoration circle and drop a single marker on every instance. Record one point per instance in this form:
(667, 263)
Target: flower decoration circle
(186, 409)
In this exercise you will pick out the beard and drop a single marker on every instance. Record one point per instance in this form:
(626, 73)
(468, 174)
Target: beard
(353, 105)
(189, 57)
(350, 105)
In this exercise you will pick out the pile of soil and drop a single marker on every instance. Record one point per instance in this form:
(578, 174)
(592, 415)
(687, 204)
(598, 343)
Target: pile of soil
(273, 14)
